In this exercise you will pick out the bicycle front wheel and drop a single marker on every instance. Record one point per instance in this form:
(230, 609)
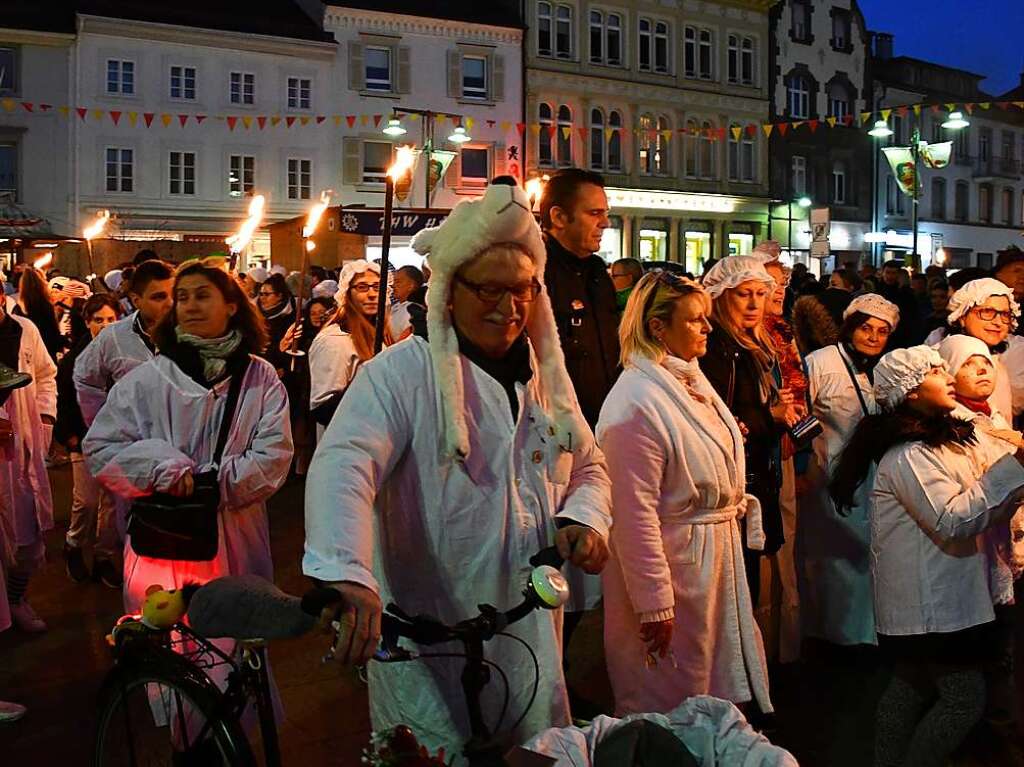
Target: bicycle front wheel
(159, 715)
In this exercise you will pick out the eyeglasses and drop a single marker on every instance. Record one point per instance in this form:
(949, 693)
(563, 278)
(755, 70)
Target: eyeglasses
(672, 281)
(987, 314)
(489, 293)
(365, 287)
(268, 293)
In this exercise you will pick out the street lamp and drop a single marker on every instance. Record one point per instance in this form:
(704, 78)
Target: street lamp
(394, 129)
(956, 121)
(880, 130)
(804, 202)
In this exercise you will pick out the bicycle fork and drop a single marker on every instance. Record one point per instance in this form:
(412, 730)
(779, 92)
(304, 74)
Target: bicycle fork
(475, 677)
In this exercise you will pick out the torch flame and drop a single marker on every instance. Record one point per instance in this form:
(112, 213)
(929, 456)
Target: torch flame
(313, 219)
(404, 159)
(96, 228)
(243, 236)
(533, 189)
(43, 261)
(310, 246)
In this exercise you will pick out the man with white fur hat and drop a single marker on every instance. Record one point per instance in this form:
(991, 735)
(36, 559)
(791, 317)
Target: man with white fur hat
(450, 462)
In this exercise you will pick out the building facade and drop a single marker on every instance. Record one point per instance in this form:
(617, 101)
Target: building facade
(820, 66)
(657, 97)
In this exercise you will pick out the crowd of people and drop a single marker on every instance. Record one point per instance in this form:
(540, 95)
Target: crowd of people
(730, 464)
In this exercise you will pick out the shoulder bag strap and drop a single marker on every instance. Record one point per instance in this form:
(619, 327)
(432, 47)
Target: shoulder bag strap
(234, 392)
(853, 379)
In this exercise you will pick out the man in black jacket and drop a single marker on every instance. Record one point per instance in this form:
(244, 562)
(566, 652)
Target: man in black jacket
(574, 215)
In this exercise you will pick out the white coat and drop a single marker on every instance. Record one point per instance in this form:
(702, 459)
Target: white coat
(115, 352)
(928, 506)
(333, 362)
(678, 479)
(836, 592)
(386, 509)
(26, 504)
(159, 423)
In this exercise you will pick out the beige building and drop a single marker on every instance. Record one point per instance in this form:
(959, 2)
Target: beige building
(652, 94)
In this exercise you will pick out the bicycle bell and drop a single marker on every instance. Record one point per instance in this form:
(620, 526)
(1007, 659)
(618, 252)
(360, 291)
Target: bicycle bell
(549, 587)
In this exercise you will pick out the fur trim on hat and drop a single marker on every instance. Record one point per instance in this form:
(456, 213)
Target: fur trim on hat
(501, 216)
(814, 326)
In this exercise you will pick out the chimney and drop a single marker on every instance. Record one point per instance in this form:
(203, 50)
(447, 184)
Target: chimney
(883, 45)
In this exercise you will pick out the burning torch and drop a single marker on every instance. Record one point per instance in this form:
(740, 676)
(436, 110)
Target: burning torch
(240, 240)
(95, 229)
(405, 158)
(312, 221)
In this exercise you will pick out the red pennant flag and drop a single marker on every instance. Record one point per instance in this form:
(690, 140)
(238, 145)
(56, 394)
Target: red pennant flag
(935, 108)
(521, 127)
(46, 107)
(115, 116)
(320, 119)
(552, 129)
(261, 121)
(901, 111)
(182, 119)
(1003, 104)
(751, 130)
(232, 122)
(848, 120)
(200, 118)
(27, 105)
(82, 112)
(376, 120)
(351, 120)
(289, 121)
(783, 127)
(969, 108)
(583, 133)
(813, 125)
(148, 118)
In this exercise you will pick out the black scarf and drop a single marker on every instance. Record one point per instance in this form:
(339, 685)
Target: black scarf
(863, 363)
(512, 368)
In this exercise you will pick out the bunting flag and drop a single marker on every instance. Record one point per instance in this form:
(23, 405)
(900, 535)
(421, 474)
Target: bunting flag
(608, 133)
(247, 122)
(289, 121)
(351, 120)
(969, 108)
(82, 112)
(885, 114)
(935, 108)
(64, 110)
(736, 132)
(985, 105)
(261, 122)
(363, 119)
(535, 129)
(848, 120)
(1019, 104)
(566, 132)
(337, 121)
(200, 118)
(166, 119)
(115, 116)
(275, 121)
(902, 111)
(320, 119)
(751, 130)
(182, 119)
(147, 117)
(376, 120)
(232, 121)
(46, 107)
(28, 106)
(950, 107)
(304, 120)
(767, 128)
(97, 114)
(813, 125)
(521, 127)
(864, 117)
(133, 117)
(917, 110)
(783, 127)
(582, 131)
(831, 121)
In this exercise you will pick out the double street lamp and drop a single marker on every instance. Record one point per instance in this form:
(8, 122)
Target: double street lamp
(458, 137)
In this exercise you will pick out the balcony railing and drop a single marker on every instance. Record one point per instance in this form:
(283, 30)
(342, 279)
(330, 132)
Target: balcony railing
(996, 167)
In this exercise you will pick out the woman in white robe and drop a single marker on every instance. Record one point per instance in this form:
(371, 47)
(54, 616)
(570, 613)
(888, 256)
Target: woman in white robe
(836, 591)
(678, 614)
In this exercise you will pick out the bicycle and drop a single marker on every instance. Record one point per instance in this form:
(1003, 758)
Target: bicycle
(159, 704)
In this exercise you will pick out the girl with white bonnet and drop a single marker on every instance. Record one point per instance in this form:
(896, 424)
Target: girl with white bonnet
(836, 577)
(346, 340)
(939, 483)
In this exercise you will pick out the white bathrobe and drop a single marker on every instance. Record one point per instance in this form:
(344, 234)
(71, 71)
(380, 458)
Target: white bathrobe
(386, 509)
(332, 364)
(159, 423)
(678, 480)
(115, 352)
(836, 592)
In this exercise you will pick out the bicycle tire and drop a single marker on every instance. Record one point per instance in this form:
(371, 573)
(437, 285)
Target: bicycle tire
(128, 733)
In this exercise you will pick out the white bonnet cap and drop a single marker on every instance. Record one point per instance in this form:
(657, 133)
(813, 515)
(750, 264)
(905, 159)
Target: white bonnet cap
(278, 269)
(258, 274)
(958, 348)
(732, 271)
(875, 306)
(325, 289)
(901, 371)
(113, 279)
(348, 273)
(978, 292)
(767, 251)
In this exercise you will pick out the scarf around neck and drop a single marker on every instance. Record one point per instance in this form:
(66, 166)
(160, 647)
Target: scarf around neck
(214, 352)
(975, 405)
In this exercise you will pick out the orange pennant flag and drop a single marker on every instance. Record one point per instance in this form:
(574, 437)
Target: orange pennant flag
(8, 104)
(1019, 104)
(582, 133)
(304, 120)
(767, 128)
(535, 129)
(98, 114)
(275, 120)
(505, 126)
(166, 119)
(364, 119)
(337, 121)
(261, 121)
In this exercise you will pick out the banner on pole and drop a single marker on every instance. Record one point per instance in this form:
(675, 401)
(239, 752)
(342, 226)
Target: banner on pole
(903, 169)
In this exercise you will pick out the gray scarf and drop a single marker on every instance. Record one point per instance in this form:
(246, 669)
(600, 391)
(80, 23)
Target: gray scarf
(214, 352)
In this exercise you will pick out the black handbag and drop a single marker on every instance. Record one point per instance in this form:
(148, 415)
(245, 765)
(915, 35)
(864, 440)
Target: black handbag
(164, 526)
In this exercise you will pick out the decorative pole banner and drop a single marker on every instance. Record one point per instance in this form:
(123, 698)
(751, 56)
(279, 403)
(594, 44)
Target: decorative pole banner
(903, 169)
(937, 155)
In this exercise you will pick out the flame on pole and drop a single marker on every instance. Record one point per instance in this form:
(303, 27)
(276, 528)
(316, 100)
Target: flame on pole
(405, 158)
(43, 261)
(312, 222)
(240, 240)
(91, 232)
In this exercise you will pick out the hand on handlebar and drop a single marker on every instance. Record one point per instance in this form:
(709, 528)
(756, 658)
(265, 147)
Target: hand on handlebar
(359, 629)
(583, 546)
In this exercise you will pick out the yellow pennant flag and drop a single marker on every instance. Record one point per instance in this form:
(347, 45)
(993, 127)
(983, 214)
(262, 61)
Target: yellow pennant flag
(950, 106)
(535, 129)
(166, 119)
(505, 126)
(831, 121)
(566, 132)
(98, 114)
(133, 117)
(364, 119)
(337, 121)
(1019, 104)
(304, 120)
(767, 128)
(885, 114)
(666, 134)
(917, 109)
(608, 132)
(797, 124)
(8, 104)
(470, 122)
(414, 117)
(736, 132)
(247, 122)
(864, 117)
(275, 119)
(64, 110)
(986, 104)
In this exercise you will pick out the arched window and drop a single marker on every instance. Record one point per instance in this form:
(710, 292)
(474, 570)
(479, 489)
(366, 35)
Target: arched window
(748, 157)
(597, 142)
(544, 155)
(734, 152)
(661, 155)
(614, 141)
(707, 150)
(839, 102)
(799, 96)
(646, 144)
(690, 144)
(564, 137)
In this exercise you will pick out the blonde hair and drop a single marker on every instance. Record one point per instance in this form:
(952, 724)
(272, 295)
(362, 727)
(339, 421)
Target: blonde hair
(653, 298)
(757, 341)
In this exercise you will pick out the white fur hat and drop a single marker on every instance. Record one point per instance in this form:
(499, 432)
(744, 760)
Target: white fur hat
(348, 273)
(958, 348)
(875, 306)
(501, 216)
(901, 371)
(977, 292)
(733, 271)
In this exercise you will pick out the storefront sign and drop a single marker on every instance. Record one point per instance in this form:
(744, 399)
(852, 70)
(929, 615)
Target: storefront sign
(651, 200)
(403, 224)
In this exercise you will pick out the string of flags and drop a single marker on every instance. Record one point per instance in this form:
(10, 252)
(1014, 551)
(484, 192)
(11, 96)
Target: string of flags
(135, 119)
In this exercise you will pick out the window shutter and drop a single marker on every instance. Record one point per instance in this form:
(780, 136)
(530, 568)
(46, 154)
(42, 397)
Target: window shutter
(454, 74)
(351, 169)
(403, 74)
(497, 78)
(499, 165)
(454, 177)
(356, 70)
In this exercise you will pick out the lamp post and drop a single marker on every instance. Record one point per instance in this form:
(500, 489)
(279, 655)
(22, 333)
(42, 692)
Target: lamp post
(403, 164)
(804, 202)
(394, 129)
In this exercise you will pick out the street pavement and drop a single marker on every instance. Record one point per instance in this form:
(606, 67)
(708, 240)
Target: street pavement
(825, 703)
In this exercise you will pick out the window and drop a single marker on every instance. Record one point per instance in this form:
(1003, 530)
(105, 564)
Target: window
(690, 52)
(1007, 206)
(300, 177)
(182, 173)
(691, 139)
(839, 105)
(962, 146)
(120, 167)
(9, 168)
(704, 55)
(799, 96)
(799, 170)
(985, 144)
(596, 37)
(800, 28)
(563, 32)
(299, 92)
(544, 24)
(597, 142)
(613, 40)
(707, 151)
(563, 137)
(734, 153)
(1008, 153)
(183, 83)
(120, 77)
(839, 183)
(376, 159)
(748, 158)
(614, 141)
(545, 157)
(939, 198)
(377, 61)
(241, 175)
(644, 46)
(474, 77)
(8, 70)
(840, 30)
(661, 47)
(893, 197)
(653, 146)
(741, 60)
(475, 166)
(242, 88)
(653, 46)
(697, 53)
(960, 209)
(985, 203)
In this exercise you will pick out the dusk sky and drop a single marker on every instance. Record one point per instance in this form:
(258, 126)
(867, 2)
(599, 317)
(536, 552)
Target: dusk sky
(982, 36)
